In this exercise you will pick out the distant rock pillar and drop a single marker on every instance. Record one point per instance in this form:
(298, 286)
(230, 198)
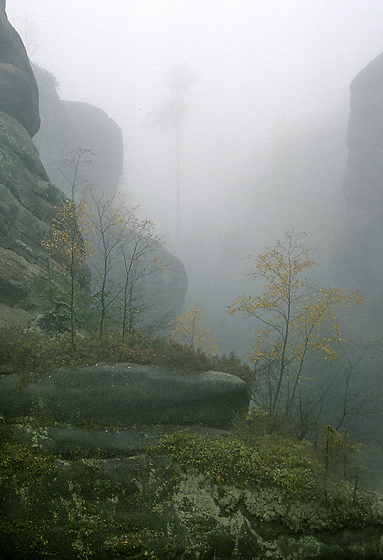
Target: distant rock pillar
(363, 182)
(359, 254)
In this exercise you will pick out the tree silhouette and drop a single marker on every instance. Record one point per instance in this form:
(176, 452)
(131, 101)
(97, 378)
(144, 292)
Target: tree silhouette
(169, 116)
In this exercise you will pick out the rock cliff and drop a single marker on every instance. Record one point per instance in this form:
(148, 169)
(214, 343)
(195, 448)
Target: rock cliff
(359, 252)
(19, 96)
(199, 494)
(27, 197)
(363, 183)
(67, 126)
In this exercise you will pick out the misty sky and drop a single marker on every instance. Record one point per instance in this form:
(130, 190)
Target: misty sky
(261, 68)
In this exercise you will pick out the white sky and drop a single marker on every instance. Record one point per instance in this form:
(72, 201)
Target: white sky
(260, 65)
(272, 56)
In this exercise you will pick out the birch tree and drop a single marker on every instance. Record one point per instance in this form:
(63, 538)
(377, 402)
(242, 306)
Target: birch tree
(296, 320)
(65, 240)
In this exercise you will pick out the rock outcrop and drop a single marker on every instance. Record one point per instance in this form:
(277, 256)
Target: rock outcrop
(148, 506)
(69, 125)
(19, 97)
(27, 197)
(363, 182)
(358, 255)
(92, 127)
(102, 483)
(125, 395)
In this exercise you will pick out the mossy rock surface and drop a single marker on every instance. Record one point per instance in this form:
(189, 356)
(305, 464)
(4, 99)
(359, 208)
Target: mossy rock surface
(125, 394)
(147, 506)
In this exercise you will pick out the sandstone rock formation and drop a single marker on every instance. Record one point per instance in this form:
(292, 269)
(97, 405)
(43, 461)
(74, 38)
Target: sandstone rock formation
(359, 257)
(125, 395)
(19, 96)
(27, 197)
(107, 493)
(363, 183)
(69, 125)
(147, 506)
(119, 410)
(93, 128)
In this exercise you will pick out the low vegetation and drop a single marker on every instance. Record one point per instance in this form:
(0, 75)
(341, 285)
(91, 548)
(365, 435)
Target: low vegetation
(38, 352)
(74, 509)
(258, 456)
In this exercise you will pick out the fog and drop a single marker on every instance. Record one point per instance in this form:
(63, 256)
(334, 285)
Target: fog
(266, 113)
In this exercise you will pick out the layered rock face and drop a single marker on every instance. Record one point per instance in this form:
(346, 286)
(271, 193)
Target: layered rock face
(360, 253)
(27, 197)
(19, 96)
(127, 394)
(109, 487)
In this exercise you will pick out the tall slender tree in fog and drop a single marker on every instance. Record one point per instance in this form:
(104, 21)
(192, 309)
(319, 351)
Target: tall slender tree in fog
(169, 116)
(298, 322)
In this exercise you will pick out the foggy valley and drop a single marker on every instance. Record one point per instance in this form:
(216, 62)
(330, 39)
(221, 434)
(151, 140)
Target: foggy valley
(191, 229)
(263, 140)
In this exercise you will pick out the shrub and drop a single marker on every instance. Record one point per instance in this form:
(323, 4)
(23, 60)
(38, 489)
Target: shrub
(39, 352)
(275, 461)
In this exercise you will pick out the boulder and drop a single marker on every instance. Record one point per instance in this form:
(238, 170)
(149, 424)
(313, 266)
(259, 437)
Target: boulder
(125, 395)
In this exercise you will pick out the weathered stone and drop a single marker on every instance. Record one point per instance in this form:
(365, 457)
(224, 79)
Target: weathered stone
(69, 125)
(145, 506)
(127, 394)
(27, 208)
(358, 257)
(18, 89)
(12, 317)
(93, 128)
(27, 197)
(70, 441)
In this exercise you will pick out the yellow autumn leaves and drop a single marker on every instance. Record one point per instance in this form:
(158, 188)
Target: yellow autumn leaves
(296, 319)
(192, 331)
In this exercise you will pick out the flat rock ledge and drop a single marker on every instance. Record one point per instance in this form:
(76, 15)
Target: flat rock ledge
(125, 395)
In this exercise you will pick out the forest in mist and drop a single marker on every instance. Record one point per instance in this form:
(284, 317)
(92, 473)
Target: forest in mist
(262, 137)
(234, 120)
(191, 303)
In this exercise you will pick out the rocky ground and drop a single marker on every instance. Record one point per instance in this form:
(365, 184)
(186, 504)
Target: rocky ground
(73, 488)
